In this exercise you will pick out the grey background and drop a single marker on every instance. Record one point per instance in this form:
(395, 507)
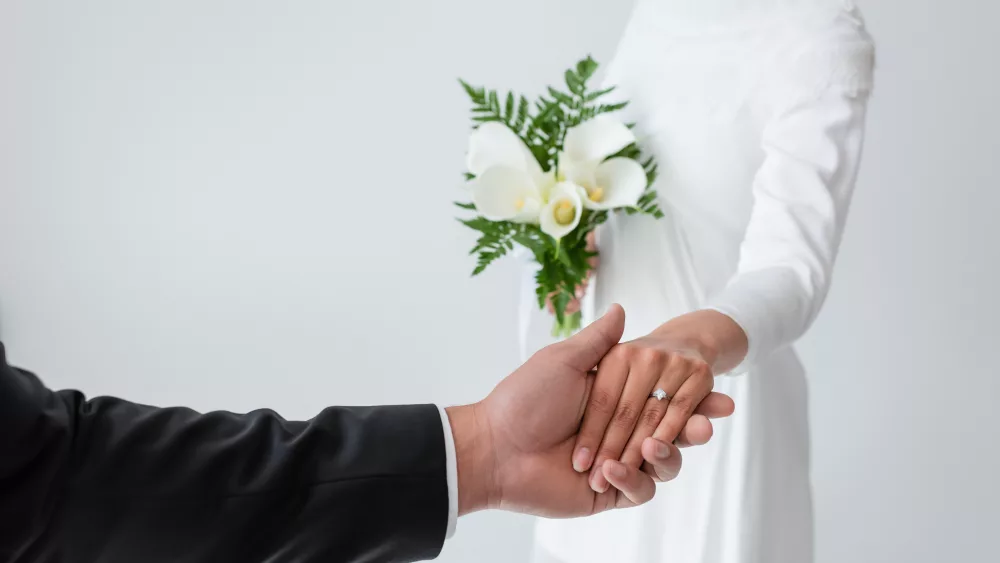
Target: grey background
(232, 205)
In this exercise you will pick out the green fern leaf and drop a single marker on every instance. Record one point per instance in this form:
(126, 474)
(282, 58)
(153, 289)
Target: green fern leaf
(597, 94)
(586, 68)
(561, 97)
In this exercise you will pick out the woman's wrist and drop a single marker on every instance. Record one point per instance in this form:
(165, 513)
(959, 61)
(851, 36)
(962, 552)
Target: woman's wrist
(712, 335)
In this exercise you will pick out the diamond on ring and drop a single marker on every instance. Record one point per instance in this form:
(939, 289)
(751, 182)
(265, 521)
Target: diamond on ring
(659, 394)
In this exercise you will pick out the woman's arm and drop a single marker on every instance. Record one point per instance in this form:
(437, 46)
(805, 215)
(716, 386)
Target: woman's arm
(813, 111)
(802, 193)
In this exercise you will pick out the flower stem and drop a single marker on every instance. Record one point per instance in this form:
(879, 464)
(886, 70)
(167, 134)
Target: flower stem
(570, 324)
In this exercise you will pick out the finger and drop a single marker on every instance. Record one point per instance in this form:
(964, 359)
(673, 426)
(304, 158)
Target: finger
(716, 405)
(595, 261)
(663, 461)
(584, 350)
(642, 373)
(698, 431)
(669, 373)
(573, 306)
(606, 501)
(650, 418)
(601, 404)
(635, 486)
(695, 388)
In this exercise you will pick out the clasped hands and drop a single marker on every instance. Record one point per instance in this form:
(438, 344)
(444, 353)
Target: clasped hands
(574, 431)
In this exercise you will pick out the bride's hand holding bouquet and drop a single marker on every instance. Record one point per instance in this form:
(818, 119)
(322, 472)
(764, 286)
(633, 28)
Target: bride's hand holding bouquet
(544, 175)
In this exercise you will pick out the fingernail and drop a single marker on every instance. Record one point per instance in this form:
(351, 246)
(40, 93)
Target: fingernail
(615, 469)
(662, 451)
(581, 460)
(598, 483)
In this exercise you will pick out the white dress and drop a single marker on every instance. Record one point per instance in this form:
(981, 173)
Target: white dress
(755, 111)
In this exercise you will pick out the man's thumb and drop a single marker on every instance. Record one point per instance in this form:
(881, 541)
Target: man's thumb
(585, 349)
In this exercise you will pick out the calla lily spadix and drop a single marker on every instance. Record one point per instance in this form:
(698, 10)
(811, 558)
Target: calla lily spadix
(509, 183)
(562, 212)
(605, 184)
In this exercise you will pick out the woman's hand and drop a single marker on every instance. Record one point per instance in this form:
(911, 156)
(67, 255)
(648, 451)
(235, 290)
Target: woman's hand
(678, 358)
(514, 446)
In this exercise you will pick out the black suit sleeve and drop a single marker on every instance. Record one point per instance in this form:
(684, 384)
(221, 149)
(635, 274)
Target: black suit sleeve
(112, 481)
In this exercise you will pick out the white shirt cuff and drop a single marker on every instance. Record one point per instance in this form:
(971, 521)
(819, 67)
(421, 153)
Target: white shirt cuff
(452, 472)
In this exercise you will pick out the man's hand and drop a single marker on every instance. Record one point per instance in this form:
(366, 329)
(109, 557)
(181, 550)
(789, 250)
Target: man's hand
(514, 447)
(678, 358)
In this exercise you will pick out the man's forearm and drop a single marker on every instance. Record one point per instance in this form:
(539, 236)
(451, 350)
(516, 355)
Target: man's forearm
(350, 484)
(476, 459)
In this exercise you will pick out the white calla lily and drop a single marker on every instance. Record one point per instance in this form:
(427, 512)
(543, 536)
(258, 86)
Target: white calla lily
(606, 184)
(616, 182)
(562, 212)
(509, 184)
(596, 139)
(504, 193)
(494, 144)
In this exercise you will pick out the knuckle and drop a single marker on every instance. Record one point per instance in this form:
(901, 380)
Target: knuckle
(650, 418)
(601, 401)
(619, 353)
(625, 414)
(678, 362)
(650, 357)
(683, 404)
(628, 351)
(703, 376)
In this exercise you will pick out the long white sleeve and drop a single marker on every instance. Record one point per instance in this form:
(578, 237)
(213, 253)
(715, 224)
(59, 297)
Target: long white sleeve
(802, 191)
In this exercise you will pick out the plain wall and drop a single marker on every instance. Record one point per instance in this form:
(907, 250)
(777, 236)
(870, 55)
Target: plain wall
(233, 205)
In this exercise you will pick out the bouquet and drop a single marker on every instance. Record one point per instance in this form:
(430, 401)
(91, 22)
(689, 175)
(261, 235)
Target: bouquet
(544, 174)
